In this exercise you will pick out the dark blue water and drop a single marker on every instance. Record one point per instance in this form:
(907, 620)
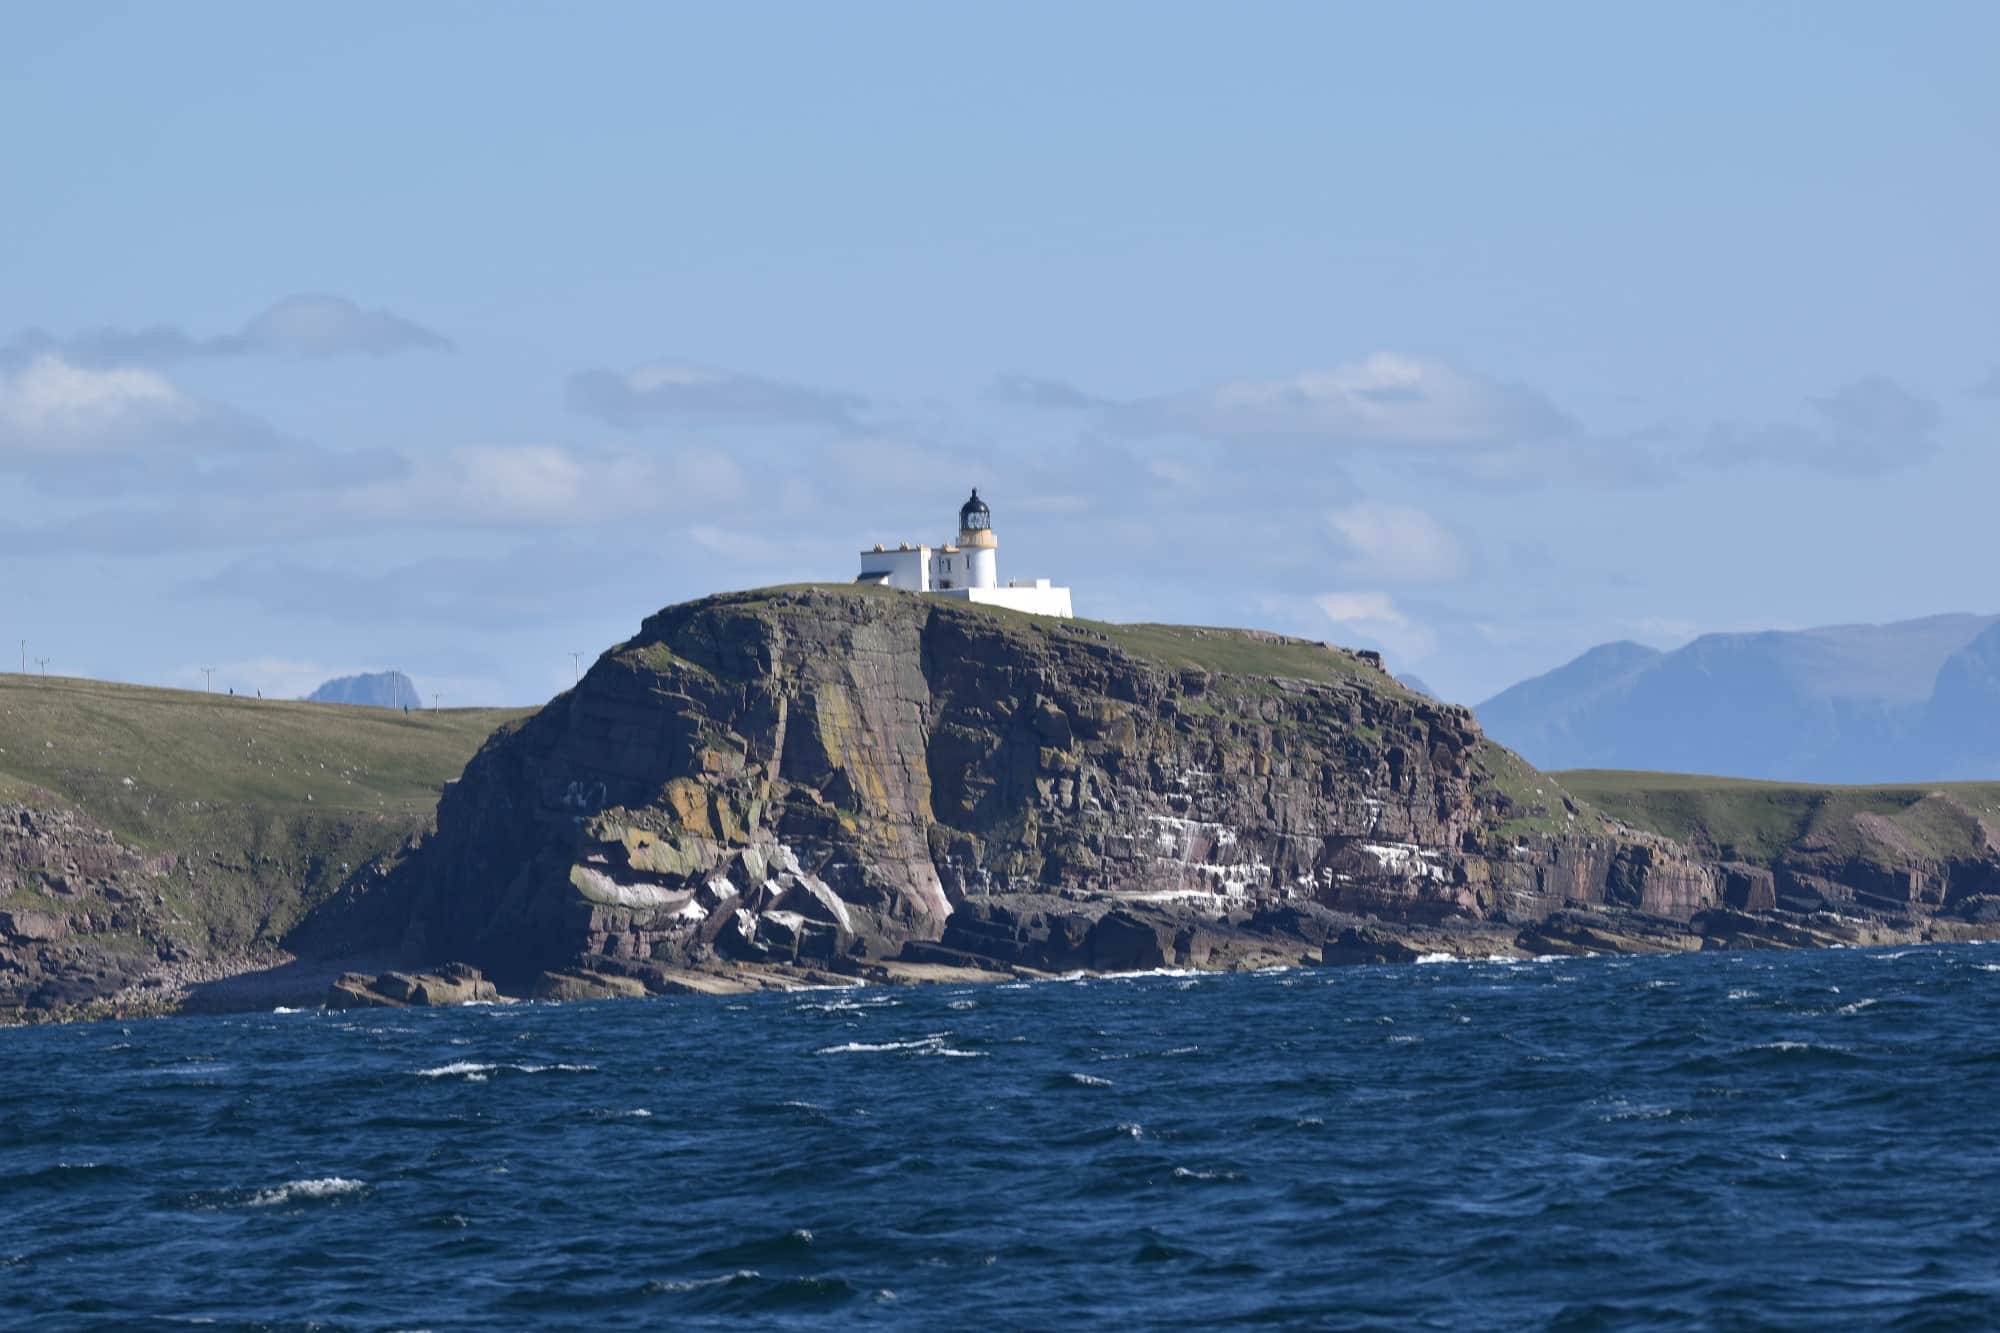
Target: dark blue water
(1725, 1141)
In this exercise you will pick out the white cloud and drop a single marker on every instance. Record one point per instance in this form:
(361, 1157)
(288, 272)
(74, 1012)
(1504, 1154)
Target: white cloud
(744, 547)
(316, 324)
(1376, 618)
(276, 677)
(310, 324)
(1048, 394)
(1866, 427)
(1500, 635)
(53, 407)
(1663, 631)
(538, 484)
(1670, 632)
(1394, 543)
(54, 410)
(1384, 399)
(704, 395)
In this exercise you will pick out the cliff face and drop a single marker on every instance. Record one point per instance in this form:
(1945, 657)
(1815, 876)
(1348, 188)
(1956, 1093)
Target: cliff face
(829, 773)
(767, 788)
(1895, 852)
(77, 910)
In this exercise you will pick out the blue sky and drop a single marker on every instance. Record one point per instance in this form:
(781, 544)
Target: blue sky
(457, 338)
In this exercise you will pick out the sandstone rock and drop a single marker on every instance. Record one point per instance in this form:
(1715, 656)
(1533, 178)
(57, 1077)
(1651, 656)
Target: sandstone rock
(585, 985)
(1122, 941)
(1749, 888)
(32, 926)
(355, 990)
(1365, 946)
(454, 983)
(815, 901)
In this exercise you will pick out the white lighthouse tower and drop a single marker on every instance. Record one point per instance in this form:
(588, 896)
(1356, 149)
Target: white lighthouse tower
(978, 544)
(968, 569)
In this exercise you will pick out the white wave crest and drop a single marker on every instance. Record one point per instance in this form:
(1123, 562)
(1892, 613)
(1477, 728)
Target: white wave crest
(325, 1187)
(934, 1044)
(474, 1072)
(696, 1284)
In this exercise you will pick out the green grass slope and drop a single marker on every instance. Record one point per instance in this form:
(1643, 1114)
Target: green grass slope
(1742, 819)
(267, 805)
(1237, 652)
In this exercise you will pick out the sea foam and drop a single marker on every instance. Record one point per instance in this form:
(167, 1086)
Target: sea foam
(293, 1191)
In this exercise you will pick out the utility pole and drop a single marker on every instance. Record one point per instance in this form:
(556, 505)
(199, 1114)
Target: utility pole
(24, 657)
(434, 700)
(576, 667)
(208, 674)
(43, 662)
(396, 690)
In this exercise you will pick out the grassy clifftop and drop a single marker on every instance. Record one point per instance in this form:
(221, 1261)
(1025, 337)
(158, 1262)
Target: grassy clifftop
(1761, 822)
(263, 805)
(81, 740)
(1234, 652)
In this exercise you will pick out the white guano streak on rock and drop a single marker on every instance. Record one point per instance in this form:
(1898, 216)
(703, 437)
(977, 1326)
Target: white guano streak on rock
(1405, 859)
(1175, 838)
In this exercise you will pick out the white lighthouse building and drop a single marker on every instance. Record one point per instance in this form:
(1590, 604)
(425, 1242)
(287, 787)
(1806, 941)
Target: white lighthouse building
(968, 569)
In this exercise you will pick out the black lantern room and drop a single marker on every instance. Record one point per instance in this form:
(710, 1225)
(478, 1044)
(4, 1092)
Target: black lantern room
(974, 516)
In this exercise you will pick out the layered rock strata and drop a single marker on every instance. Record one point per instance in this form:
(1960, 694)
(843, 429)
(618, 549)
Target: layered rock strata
(822, 775)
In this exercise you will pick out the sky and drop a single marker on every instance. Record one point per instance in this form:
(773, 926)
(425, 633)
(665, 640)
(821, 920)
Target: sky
(458, 338)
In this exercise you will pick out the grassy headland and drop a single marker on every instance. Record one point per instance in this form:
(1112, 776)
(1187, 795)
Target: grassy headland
(264, 805)
(1745, 820)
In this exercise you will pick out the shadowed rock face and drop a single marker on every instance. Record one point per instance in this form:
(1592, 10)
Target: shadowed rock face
(826, 773)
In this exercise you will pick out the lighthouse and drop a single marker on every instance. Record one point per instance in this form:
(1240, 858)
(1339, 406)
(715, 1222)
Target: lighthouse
(966, 570)
(978, 544)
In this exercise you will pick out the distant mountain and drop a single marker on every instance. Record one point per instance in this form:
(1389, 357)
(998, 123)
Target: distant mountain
(379, 689)
(1963, 720)
(1417, 683)
(1914, 701)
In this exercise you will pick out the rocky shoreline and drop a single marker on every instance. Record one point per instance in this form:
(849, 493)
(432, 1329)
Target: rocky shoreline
(1136, 943)
(851, 786)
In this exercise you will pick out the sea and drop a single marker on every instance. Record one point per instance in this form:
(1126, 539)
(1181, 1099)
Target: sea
(1720, 1141)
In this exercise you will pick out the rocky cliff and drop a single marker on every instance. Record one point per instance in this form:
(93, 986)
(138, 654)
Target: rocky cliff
(837, 775)
(774, 788)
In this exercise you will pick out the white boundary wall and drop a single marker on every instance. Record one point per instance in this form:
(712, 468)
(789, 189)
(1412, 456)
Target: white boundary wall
(1036, 601)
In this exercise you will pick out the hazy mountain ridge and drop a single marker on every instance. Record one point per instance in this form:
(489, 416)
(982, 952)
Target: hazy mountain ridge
(1911, 701)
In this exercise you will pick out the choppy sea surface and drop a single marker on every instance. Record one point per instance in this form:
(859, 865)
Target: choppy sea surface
(1721, 1141)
